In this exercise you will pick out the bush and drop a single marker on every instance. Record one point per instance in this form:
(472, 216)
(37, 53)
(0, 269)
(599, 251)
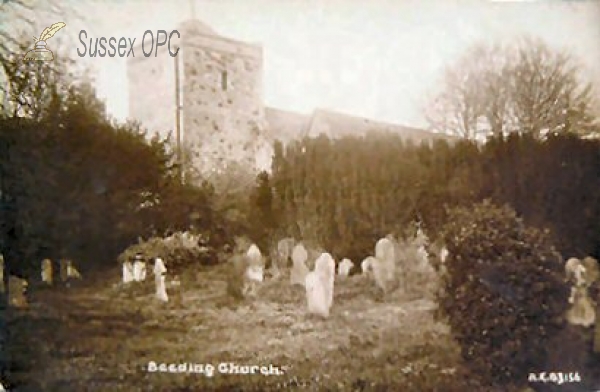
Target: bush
(505, 295)
(178, 251)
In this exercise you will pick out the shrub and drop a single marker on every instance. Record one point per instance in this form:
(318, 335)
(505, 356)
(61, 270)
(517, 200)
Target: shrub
(178, 251)
(505, 295)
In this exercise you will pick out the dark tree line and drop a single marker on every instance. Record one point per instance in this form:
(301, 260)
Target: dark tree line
(347, 193)
(76, 185)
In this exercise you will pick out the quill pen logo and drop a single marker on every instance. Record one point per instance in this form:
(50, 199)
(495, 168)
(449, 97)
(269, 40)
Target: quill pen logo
(40, 53)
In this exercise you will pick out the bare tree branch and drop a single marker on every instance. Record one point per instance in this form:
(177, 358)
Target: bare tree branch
(525, 87)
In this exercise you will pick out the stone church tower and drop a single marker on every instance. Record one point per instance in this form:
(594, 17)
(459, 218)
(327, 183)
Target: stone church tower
(222, 118)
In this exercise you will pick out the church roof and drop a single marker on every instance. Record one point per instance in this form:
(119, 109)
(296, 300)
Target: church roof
(287, 126)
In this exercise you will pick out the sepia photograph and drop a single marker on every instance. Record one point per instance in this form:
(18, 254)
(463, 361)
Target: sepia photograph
(305, 195)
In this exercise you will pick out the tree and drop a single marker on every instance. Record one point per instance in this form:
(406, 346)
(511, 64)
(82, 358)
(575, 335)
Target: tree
(504, 88)
(22, 84)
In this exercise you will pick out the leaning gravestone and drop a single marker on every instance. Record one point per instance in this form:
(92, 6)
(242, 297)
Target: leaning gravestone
(17, 289)
(159, 279)
(47, 271)
(325, 267)
(72, 272)
(127, 272)
(299, 268)
(345, 267)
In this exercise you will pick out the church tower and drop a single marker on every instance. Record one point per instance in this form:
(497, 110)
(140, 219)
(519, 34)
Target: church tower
(221, 118)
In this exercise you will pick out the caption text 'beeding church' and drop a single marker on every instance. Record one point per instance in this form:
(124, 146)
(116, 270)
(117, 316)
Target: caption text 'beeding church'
(222, 116)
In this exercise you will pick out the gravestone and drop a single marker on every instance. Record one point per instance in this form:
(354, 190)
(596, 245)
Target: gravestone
(255, 273)
(367, 266)
(159, 279)
(139, 270)
(17, 289)
(127, 272)
(384, 265)
(299, 268)
(385, 250)
(254, 255)
(575, 271)
(72, 272)
(582, 311)
(345, 267)
(68, 271)
(255, 269)
(256, 265)
(285, 247)
(47, 271)
(325, 268)
(316, 295)
(444, 255)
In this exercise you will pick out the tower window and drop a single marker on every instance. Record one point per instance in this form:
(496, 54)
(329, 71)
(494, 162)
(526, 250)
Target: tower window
(224, 80)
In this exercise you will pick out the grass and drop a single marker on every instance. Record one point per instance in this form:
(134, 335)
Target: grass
(101, 335)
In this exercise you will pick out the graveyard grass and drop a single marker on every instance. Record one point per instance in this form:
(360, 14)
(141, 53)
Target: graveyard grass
(101, 335)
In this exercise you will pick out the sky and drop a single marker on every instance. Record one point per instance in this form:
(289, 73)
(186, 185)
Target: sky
(379, 59)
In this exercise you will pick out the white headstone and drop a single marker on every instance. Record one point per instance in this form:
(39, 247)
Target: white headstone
(254, 255)
(299, 268)
(575, 271)
(17, 289)
(384, 273)
(72, 271)
(139, 271)
(325, 267)
(384, 264)
(444, 255)
(385, 250)
(316, 295)
(127, 272)
(367, 265)
(159, 267)
(582, 310)
(47, 271)
(161, 290)
(345, 267)
(255, 273)
(159, 277)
